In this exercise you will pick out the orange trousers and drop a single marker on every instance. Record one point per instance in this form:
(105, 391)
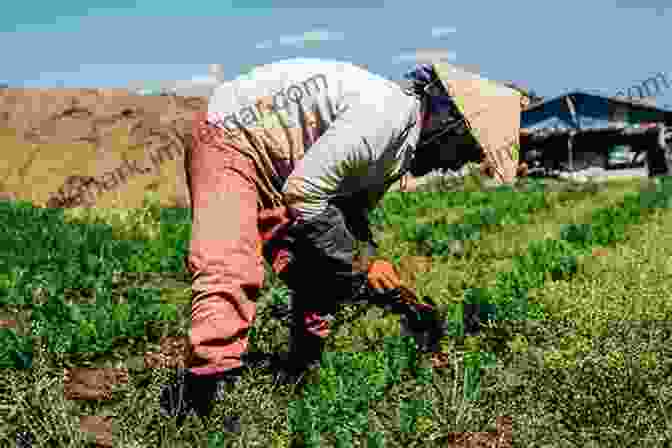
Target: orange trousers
(225, 259)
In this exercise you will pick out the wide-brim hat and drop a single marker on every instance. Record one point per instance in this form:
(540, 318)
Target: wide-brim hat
(492, 114)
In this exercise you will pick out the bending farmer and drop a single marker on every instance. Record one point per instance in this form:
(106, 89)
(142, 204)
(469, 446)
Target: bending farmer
(286, 164)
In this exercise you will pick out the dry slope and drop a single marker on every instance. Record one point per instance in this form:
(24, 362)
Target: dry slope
(66, 147)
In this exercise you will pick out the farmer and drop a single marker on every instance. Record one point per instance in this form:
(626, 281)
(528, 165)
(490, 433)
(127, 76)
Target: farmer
(285, 165)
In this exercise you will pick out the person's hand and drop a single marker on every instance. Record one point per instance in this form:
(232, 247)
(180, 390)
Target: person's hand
(383, 276)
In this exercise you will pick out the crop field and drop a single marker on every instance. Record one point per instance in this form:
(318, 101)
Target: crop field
(557, 296)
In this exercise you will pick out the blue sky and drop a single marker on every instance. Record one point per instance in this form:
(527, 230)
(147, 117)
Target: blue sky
(551, 47)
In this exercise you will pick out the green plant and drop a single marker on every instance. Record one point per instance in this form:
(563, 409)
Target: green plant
(502, 206)
(65, 279)
(16, 351)
(580, 234)
(348, 383)
(473, 363)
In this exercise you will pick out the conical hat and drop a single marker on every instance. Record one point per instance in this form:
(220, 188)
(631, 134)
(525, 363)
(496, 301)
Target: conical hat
(492, 113)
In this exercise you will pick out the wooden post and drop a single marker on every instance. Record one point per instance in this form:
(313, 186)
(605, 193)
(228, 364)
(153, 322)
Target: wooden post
(403, 183)
(570, 140)
(658, 154)
(570, 150)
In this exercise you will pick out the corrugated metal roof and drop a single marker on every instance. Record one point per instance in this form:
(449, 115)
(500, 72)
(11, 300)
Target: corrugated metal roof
(616, 99)
(591, 111)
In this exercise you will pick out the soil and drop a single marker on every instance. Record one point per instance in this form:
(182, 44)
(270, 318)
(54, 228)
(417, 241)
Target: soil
(440, 360)
(7, 323)
(99, 427)
(175, 352)
(97, 384)
(600, 252)
(92, 384)
(502, 438)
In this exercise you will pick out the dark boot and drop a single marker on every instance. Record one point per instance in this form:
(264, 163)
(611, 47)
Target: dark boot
(305, 352)
(195, 395)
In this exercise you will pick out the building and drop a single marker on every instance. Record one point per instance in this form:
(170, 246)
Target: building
(578, 130)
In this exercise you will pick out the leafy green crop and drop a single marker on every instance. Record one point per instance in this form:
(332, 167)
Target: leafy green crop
(16, 351)
(579, 234)
(486, 210)
(41, 251)
(473, 363)
(93, 328)
(399, 205)
(164, 255)
(558, 258)
(348, 383)
(554, 258)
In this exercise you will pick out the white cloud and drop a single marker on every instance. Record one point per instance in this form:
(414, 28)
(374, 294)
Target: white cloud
(265, 44)
(439, 32)
(322, 35)
(405, 57)
(300, 39)
(290, 40)
(426, 56)
(206, 79)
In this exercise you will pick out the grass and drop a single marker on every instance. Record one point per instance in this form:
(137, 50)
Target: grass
(493, 251)
(601, 363)
(596, 372)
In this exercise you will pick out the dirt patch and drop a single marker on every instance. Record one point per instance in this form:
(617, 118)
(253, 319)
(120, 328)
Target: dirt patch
(175, 352)
(8, 323)
(99, 428)
(92, 384)
(600, 252)
(502, 438)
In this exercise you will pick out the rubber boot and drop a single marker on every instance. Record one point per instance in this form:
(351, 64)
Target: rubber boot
(195, 395)
(305, 352)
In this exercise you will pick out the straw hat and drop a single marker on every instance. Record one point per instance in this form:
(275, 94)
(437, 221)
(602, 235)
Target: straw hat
(492, 113)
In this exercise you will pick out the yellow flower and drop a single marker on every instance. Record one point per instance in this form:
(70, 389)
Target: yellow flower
(647, 360)
(616, 360)
(423, 424)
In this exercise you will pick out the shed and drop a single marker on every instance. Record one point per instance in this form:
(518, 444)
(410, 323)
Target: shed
(587, 127)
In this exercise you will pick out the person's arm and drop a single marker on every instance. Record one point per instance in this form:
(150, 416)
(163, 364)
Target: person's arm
(356, 211)
(356, 154)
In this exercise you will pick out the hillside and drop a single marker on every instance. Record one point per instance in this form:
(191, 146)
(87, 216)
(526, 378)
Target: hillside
(54, 141)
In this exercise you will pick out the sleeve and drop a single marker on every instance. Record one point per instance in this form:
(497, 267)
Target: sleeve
(356, 212)
(350, 162)
(359, 151)
(324, 247)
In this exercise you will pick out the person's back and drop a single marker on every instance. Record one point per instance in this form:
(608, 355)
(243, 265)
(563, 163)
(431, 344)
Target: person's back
(315, 85)
(297, 80)
(288, 105)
